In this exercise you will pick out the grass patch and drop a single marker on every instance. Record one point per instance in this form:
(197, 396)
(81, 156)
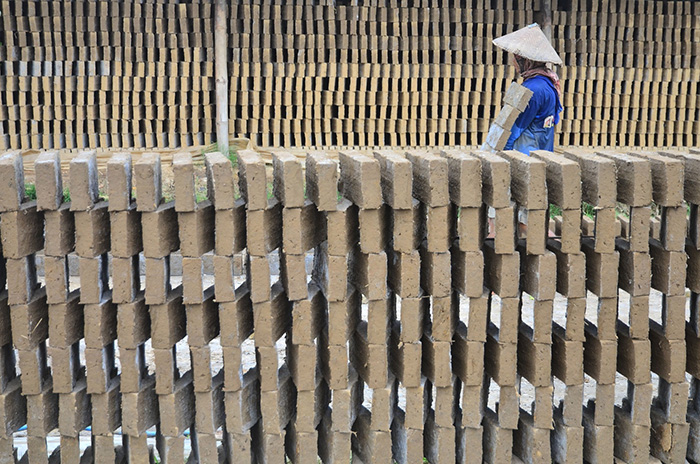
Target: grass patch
(66, 195)
(588, 210)
(554, 210)
(30, 191)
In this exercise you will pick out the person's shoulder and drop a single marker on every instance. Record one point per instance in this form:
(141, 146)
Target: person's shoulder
(536, 82)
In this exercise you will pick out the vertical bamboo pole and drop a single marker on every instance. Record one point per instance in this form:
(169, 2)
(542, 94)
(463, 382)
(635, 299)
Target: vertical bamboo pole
(547, 19)
(221, 72)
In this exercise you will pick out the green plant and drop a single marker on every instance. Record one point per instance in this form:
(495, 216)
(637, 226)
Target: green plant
(588, 210)
(66, 195)
(554, 210)
(30, 191)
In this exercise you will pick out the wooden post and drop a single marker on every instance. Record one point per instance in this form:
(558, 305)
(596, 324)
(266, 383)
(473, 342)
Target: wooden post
(547, 19)
(221, 72)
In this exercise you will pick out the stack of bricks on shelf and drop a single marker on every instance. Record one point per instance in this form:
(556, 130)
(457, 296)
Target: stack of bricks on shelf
(390, 305)
(107, 74)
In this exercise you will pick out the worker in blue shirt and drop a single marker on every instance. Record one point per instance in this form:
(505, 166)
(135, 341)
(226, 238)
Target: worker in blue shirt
(534, 128)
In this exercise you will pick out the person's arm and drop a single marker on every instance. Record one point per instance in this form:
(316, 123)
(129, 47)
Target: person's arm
(523, 121)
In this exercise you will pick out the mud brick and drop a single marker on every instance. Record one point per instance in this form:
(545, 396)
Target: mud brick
(83, 181)
(136, 448)
(495, 179)
(293, 275)
(501, 271)
(597, 356)
(66, 322)
(147, 177)
(528, 180)
(74, 410)
(415, 407)
(469, 227)
(414, 316)
(230, 234)
(368, 272)
(633, 356)
(507, 116)
(436, 277)
(371, 361)
(567, 358)
(404, 273)
(42, 412)
(303, 362)
(252, 181)
(669, 441)
(497, 137)
(157, 284)
(21, 279)
(210, 407)
(92, 231)
(569, 230)
(673, 228)
(11, 169)
(472, 406)
(308, 318)
(272, 447)
(445, 318)
(193, 290)
(667, 269)
(408, 364)
(639, 228)
(439, 441)
(587, 226)
(277, 406)
(310, 407)
(322, 181)
(333, 446)
(105, 451)
(134, 372)
(464, 178)
(374, 229)
(405, 231)
(288, 180)
(232, 368)
(667, 356)
(567, 443)
(61, 240)
(509, 319)
(476, 317)
(534, 359)
(672, 401)
(631, 441)
(437, 361)
(667, 175)
(531, 443)
(168, 321)
(605, 230)
(606, 319)
(571, 272)
(133, 322)
(13, 409)
(140, 410)
(47, 170)
(504, 230)
(360, 179)
(30, 322)
(106, 409)
(160, 230)
(468, 360)
(258, 278)
(292, 235)
(183, 171)
(673, 316)
(634, 186)
(94, 277)
(430, 178)
(517, 96)
(222, 190)
(601, 271)
(126, 279)
(346, 402)
(267, 363)
(119, 182)
(690, 161)
(370, 445)
(301, 446)
(500, 360)
(634, 274)
(597, 440)
(598, 178)
(37, 451)
(22, 231)
(536, 232)
(692, 436)
(238, 446)
(197, 230)
(435, 228)
(542, 407)
(236, 318)
(225, 269)
(396, 179)
(243, 406)
(203, 321)
(70, 449)
(166, 371)
(498, 441)
(100, 369)
(272, 318)
(170, 449)
(342, 224)
(563, 179)
(537, 271)
(125, 229)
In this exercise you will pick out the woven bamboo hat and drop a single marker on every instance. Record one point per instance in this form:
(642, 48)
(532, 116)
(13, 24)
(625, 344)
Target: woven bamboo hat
(529, 42)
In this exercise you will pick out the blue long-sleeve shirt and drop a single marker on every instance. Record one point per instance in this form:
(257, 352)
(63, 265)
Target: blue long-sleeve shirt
(534, 128)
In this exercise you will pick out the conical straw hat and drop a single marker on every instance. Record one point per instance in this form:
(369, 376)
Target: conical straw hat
(531, 43)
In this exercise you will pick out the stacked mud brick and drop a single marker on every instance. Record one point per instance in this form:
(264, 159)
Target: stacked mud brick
(630, 76)
(567, 335)
(515, 101)
(78, 74)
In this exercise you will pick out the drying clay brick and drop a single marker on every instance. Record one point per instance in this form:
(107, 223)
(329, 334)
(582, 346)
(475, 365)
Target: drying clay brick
(83, 181)
(430, 178)
(74, 411)
(119, 182)
(396, 179)
(147, 177)
(368, 272)
(5, 329)
(192, 281)
(125, 231)
(322, 181)
(360, 179)
(277, 406)
(92, 231)
(436, 362)
(140, 410)
(168, 321)
(258, 278)
(639, 228)
(308, 318)
(470, 228)
(405, 231)
(673, 228)
(196, 230)
(413, 313)
(288, 184)
(21, 279)
(501, 272)
(374, 229)
(668, 269)
(435, 228)
(220, 174)
(673, 316)
(436, 278)
(664, 434)
(379, 320)
(202, 321)
(157, 280)
(667, 176)
(12, 171)
(567, 358)
(536, 232)
(126, 280)
(597, 356)
(35, 372)
(183, 173)
(61, 240)
(343, 318)
(100, 324)
(230, 234)
(225, 268)
(47, 170)
(563, 179)
(633, 357)
(236, 318)
(598, 178)
(517, 96)
(468, 272)
(528, 177)
(42, 412)
(635, 443)
(176, 410)
(94, 278)
(500, 361)
(634, 272)
(468, 360)
(601, 271)
(605, 230)
(667, 356)
(537, 272)
(30, 322)
(343, 227)
(464, 177)
(497, 137)
(408, 364)
(22, 231)
(252, 181)
(65, 367)
(495, 179)
(504, 230)
(571, 272)
(507, 115)
(303, 362)
(264, 229)
(404, 274)
(66, 322)
(271, 318)
(293, 275)
(633, 178)
(339, 369)
(134, 372)
(477, 315)
(166, 371)
(100, 369)
(570, 231)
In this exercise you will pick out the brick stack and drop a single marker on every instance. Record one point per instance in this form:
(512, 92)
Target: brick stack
(22, 236)
(599, 188)
(564, 191)
(669, 428)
